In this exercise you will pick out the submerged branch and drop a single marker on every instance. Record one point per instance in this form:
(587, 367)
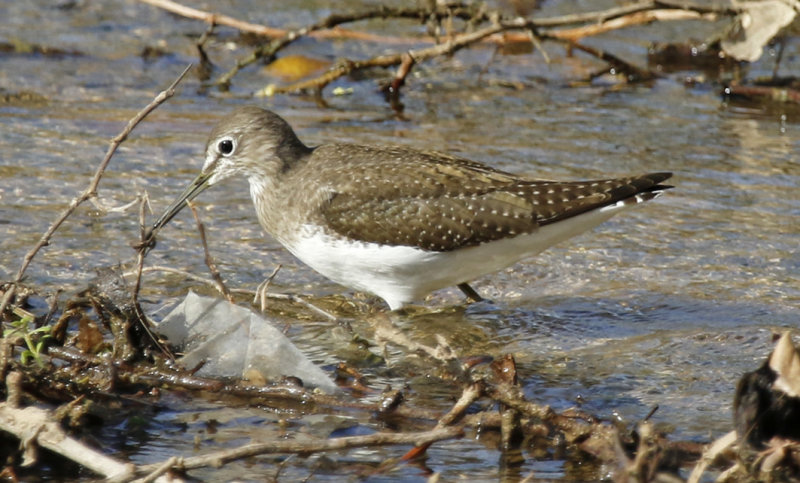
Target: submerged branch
(311, 446)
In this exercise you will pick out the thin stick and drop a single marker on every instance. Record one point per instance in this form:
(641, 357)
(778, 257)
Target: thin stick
(176, 271)
(325, 31)
(140, 254)
(631, 72)
(469, 395)
(418, 55)
(214, 18)
(297, 446)
(470, 292)
(91, 190)
(275, 296)
(305, 303)
(535, 29)
(212, 266)
(261, 290)
(636, 18)
(160, 470)
(458, 42)
(320, 28)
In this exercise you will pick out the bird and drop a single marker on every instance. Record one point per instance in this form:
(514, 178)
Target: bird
(394, 221)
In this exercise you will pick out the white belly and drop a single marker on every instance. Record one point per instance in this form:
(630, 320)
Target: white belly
(402, 274)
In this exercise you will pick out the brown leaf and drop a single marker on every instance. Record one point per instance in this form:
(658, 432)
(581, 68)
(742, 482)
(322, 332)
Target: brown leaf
(292, 68)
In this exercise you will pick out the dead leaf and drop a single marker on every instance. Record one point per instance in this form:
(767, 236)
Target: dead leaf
(292, 68)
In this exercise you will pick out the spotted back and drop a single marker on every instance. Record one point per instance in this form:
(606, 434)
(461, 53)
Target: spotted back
(440, 203)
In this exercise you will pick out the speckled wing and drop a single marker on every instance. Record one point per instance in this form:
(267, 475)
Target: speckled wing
(441, 203)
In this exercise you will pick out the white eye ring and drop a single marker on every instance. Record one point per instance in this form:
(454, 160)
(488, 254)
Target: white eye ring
(226, 146)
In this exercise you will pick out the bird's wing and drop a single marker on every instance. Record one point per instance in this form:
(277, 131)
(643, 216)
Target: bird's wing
(441, 203)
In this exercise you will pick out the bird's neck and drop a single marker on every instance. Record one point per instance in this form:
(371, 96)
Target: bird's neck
(292, 152)
(266, 179)
(271, 209)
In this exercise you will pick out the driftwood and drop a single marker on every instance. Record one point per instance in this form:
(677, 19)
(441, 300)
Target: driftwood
(500, 30)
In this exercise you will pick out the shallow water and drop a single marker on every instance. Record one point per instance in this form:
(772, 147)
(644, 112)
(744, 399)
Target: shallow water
(666, 305)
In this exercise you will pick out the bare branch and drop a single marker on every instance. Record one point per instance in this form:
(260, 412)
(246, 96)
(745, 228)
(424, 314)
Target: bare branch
(212, 266)
(418, 55)
(304, 446)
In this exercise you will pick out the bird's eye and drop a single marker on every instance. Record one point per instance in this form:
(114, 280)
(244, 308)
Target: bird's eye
(225, 146)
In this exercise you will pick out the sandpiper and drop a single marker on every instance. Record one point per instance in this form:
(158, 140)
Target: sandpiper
(399, 222)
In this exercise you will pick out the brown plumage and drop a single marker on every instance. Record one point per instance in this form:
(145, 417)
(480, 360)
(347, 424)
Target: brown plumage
(347, 209)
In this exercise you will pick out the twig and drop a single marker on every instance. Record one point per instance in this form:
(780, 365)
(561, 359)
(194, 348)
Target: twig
(509, 395)
(632, 73)
(158, 471)
(323, 32)
(334, 20)
(763, 93)
(643, 11)
(261, 290)
(91, 190)
(644, 463)
(305, 400)
(283, 446)
(469, 395)
(722, 8)
(418, 55)
(6, 355)
(317, 29)
(214, 18)
(177, 271)
(281, 466)
(594, 17)
(212, 267)
(140, 254)
(637, 18)
(534, 38)
(276, 296)
(305, 303)
(205, 67)
(407, 60)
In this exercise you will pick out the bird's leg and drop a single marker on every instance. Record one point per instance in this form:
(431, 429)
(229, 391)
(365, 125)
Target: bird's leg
(778, 59)
(470, 292)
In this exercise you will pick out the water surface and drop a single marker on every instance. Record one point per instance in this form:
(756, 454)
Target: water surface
(666, 305)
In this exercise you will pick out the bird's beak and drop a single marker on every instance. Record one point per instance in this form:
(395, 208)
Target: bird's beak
(195, 188)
